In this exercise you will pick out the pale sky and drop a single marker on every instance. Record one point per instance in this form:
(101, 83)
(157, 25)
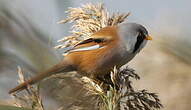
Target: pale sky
(160, 16)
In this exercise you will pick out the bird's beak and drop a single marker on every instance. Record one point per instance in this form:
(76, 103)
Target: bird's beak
(148, 37)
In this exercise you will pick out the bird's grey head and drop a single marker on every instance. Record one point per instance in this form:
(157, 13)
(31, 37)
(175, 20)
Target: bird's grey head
(135, 36)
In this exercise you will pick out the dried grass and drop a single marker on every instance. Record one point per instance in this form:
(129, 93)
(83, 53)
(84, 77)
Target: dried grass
(31, 99)
(122, 95)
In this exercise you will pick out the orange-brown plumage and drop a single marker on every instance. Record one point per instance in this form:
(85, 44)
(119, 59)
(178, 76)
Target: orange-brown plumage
(96, 56)
(90, 62)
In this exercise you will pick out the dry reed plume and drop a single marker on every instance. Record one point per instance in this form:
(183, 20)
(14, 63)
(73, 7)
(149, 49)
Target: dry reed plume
(31, 99)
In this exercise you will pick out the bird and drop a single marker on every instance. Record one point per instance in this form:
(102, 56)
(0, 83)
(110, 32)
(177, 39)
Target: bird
(111, 46)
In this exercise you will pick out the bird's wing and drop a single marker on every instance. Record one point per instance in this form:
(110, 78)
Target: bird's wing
(89, 44)
(97, 40)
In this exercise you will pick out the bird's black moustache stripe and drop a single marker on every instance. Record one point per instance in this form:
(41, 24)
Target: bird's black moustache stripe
(140, 40)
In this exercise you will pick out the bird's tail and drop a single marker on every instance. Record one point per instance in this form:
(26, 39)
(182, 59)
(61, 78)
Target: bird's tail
(58, 68)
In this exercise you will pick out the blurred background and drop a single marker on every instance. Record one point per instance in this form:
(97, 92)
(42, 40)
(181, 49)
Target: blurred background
(29, 31)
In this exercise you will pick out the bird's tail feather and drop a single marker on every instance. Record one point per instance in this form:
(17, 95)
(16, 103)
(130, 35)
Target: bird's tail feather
(58, 68)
